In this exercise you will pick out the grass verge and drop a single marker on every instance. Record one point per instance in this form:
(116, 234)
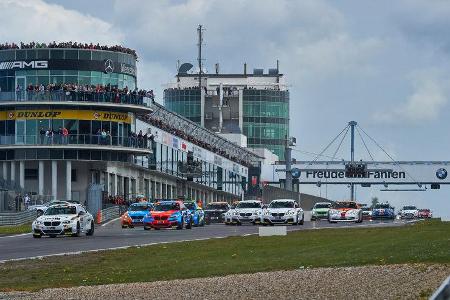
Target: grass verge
(8, 230)
(425, 242)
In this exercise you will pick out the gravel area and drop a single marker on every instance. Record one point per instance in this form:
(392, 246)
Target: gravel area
(370, 282)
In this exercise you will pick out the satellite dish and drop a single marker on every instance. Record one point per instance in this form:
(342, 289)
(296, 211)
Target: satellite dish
(184, 68)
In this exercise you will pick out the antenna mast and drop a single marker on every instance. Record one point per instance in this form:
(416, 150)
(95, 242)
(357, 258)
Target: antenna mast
(200, 42)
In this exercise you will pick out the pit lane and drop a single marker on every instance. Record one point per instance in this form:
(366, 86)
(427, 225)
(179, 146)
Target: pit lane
(112, 236)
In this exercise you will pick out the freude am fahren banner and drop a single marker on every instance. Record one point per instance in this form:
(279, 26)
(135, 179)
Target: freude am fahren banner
(381, 172)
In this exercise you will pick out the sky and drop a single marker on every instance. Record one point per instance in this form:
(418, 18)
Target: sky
(384, 64)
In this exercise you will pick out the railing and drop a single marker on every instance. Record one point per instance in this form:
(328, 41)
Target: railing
(61, 96)
(17, 218)
(110, 213)
(76, 139)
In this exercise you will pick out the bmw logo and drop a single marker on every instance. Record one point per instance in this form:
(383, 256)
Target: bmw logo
(295, 172)
(441, 173)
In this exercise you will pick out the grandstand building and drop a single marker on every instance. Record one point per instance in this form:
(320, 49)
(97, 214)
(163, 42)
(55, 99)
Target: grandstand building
(251, 109)
(72, 120)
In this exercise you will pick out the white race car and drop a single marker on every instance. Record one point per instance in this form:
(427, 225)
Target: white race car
(41, 208)
(345, 211)
(409, 212)
(248, 211)
(283, 211)
(64, 219)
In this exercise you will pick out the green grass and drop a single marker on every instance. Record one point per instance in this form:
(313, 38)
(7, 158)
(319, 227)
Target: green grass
(8, 230)
(424, 242)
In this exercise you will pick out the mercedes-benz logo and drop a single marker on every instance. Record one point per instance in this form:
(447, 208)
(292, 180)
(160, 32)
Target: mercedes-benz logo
(109, 66)
(441, 173)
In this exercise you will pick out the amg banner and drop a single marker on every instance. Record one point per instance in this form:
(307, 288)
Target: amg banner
(376, 173)
(106, 66)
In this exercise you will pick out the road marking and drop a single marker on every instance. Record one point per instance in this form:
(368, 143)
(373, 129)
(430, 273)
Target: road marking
(15, 235)
(110, 221)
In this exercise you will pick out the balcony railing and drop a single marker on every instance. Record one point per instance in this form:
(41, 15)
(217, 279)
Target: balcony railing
(81, 96)
(77, 139)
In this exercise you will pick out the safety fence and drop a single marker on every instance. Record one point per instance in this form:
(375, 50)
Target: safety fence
(108, 214)
(17, 218)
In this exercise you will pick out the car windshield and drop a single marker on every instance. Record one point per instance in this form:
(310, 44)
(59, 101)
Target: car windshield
(366, 209)
(61, 210)
(217, 206)
(139, 207)
(281, 204)
(322, 205)
(424, 210)
(190, 205)
(382, 205)
(248, 205)
(345, 205)
(409, 208)
(54, 203)
(166, 206)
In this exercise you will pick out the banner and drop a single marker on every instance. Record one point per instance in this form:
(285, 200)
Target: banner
(67, 115)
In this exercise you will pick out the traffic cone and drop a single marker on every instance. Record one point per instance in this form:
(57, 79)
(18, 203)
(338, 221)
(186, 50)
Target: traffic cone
(99, 216)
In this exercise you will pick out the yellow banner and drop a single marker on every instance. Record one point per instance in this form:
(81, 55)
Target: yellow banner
(66, 114)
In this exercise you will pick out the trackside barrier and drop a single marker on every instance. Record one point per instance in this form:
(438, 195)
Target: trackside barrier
(443, 292)
(109, 213)
(17, 218)
(269, 231)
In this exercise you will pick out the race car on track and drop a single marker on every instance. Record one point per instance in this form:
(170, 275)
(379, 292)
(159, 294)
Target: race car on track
(283, 211)
(63, 219)
(409, 212)
(425, 213)
(345, 211)
(197, 213)
(320, 210)
(135, 214)
(383, 211)
(41, 208)
(367, 212)
(214, 212)
(248, 211)
(168, 214)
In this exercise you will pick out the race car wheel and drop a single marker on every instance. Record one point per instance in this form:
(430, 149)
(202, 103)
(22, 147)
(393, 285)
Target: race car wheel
(37, 236)
(78, 231)
(39, 213)
(123, 226)
(202, 223)
(189, 225)
(180, 224)
(146, 227)
(302, 221)
(90, 232)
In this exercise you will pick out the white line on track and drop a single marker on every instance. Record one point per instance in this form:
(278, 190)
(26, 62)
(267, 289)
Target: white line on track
(110, 221)
(15, 235)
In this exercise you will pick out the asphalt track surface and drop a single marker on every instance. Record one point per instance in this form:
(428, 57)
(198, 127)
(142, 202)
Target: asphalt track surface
(112, 236)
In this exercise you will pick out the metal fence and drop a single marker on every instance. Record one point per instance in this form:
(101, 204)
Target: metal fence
(110, 213)
(17, 218)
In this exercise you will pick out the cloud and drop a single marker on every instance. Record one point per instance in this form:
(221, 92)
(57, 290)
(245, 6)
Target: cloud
(36, 20)
(429, 96)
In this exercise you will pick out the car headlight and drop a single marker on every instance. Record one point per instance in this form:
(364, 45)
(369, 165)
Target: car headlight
(290, 213)
(267, 213)
(258, 213)
(38, 222)
(235, 213)
(66, 222)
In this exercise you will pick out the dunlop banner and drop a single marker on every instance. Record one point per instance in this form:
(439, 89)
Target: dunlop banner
(66, 114)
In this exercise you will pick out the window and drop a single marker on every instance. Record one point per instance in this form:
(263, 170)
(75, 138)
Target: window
(31, 174)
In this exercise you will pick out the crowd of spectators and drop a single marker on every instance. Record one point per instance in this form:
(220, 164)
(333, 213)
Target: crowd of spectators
(180, 133)
(72, 45)
(77, 92)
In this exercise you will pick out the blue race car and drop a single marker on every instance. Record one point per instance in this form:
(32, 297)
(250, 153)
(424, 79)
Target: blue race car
(198, 215)
(167, 214)
(135, 214)
(383, 211)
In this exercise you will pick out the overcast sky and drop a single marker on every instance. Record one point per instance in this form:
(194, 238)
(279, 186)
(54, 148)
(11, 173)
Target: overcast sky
(384, 64)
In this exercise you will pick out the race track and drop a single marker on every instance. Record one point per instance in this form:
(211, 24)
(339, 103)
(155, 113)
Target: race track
(111, 236)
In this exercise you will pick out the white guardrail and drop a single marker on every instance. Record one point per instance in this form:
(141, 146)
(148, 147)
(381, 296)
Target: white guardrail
(17, 218)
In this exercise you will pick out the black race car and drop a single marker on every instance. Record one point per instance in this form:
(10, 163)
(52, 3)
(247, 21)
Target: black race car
(214, 212)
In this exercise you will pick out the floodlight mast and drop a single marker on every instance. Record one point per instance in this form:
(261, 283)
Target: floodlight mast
(352, 125)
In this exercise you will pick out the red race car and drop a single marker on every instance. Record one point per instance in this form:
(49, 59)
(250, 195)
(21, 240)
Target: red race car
(425, 213)
(168, 214)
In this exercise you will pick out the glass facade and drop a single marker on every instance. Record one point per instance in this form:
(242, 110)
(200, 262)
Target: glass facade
(66, 66)
(185, 102)
(266, 119)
